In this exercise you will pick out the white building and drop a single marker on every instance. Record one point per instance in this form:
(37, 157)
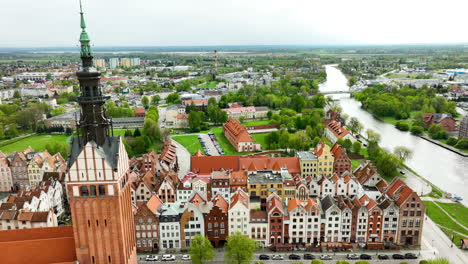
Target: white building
(239, 213)
(331, 217)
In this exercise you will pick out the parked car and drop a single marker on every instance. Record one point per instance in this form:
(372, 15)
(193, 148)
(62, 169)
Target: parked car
(264, 257)
(168, 257)
(277, 257)
(365, 256)
(151, 258)
(410, 256)
(326, 257)
(383, 256)
(309, 256)
(294, 256)
(352, 256)
(402, 172)
(398, 256)
(185, 257)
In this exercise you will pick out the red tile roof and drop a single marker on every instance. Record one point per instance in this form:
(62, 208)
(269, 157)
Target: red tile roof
(337, 130)
(207, 164)
(267, 163)
(197, 102)
(236, 131)
(220, 202)
(139, 110)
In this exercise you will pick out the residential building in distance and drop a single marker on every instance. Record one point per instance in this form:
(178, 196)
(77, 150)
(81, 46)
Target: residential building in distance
(6, 181)
(114, 63)
(239, 136)
(335, 131)
(22, 219)
(463, 129)
(100, 63)
(125, 62)
(249, 112)
(445, 120)
(140, 112)
(136, 61)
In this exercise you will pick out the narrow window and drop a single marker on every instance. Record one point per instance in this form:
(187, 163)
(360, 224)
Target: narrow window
(109, 259)
(84, 191)
(97, 222)
(93, 259)
(89, 223)
(102, 190)
(93, 190)
(105, 222)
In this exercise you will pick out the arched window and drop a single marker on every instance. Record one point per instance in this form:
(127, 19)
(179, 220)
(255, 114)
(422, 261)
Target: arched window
(102, 190)
(84, 191)
(93, 190)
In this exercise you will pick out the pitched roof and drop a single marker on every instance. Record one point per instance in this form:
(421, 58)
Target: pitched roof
(207, 164)
(220, 202)
(153, 203)
(293, 204)
(239, 196)
(267, 163)
(258, 216)
(198, 153)
(237, 131)
(336, 128)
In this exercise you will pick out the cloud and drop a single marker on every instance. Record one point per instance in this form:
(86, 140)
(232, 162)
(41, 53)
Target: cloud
(238, 22)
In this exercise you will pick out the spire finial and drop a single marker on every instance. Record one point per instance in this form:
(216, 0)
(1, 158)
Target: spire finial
(84, 39)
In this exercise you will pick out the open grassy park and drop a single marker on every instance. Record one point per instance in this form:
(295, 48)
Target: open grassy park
(37, 142)
(209, 85)
(458, 211)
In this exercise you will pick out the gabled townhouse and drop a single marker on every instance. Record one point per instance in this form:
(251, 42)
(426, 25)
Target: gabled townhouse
(259, 227)
(192, 223)
(334, 131)
(275, 216)
(169, 226)
(146, 221)
(6, 181)
(216, 221)
(304, 221)
(359, 221)
(324, 159)
(375, 220)
(390, 222)
(411, 212)
(19, 171)
(184, 188)
(35, 170)
(342, 163)
(239, 213)
(144, 187)
(166, 191)
(346, 217)
(202, 183)
(331, 219)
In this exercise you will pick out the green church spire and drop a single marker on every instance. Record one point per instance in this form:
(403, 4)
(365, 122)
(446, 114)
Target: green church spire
(84, 39)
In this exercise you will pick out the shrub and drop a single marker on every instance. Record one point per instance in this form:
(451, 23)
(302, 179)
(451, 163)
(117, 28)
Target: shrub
(452, 141)
(362, 262)
(401, 125)
(315, 261)
(342, 262)
(462, 143)
(423, 262)
(417, 130)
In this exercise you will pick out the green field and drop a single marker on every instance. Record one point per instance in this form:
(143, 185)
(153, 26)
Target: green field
(260, 139)
(443, 220)
(37, 142)
(355, 163)
(190, 142)
(223, 142)
(457, 211)
(207, 85)
(256, 123)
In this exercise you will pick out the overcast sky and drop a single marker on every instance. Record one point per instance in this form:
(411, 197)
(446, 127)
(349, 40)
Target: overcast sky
(47, 23)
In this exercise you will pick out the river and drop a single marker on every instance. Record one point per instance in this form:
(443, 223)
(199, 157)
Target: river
(445, 169)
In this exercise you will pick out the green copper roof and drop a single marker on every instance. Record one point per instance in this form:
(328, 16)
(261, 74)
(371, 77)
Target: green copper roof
(84, 38)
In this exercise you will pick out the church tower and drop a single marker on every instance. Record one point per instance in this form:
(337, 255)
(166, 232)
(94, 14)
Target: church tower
(97, 176)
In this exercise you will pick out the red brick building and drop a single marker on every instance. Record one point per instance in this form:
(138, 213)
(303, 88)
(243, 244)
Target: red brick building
(276, 215)
(341, 163)
(239, 136)
(237, 180)
(375, 219)
(140, 112)
(146, 225)
(445, 120)
(216, 222)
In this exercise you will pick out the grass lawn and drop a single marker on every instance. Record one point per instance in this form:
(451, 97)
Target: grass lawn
(442, 219)
(207, 85)
(224, 143)
(444, 141)
(256, 123)
(190, 142)
(37, 142)
(457, 211)
(260, 139)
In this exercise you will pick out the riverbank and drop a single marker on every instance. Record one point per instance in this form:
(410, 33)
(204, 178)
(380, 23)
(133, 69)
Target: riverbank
(448, 147)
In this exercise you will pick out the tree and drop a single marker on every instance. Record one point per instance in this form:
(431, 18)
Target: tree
(373, 136)
(387, 164)
(145, 101)
(401, 125)
(354, 126)
(269, 114)
(195, 120)
(417, 130)
(136, 133)
(201, 250)
(436, 131)
(297, 103)
(17, 94)
(356, 147)
(173, 98)
(155, 99)
(462, 143)
(240, 249)
(403, 153)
